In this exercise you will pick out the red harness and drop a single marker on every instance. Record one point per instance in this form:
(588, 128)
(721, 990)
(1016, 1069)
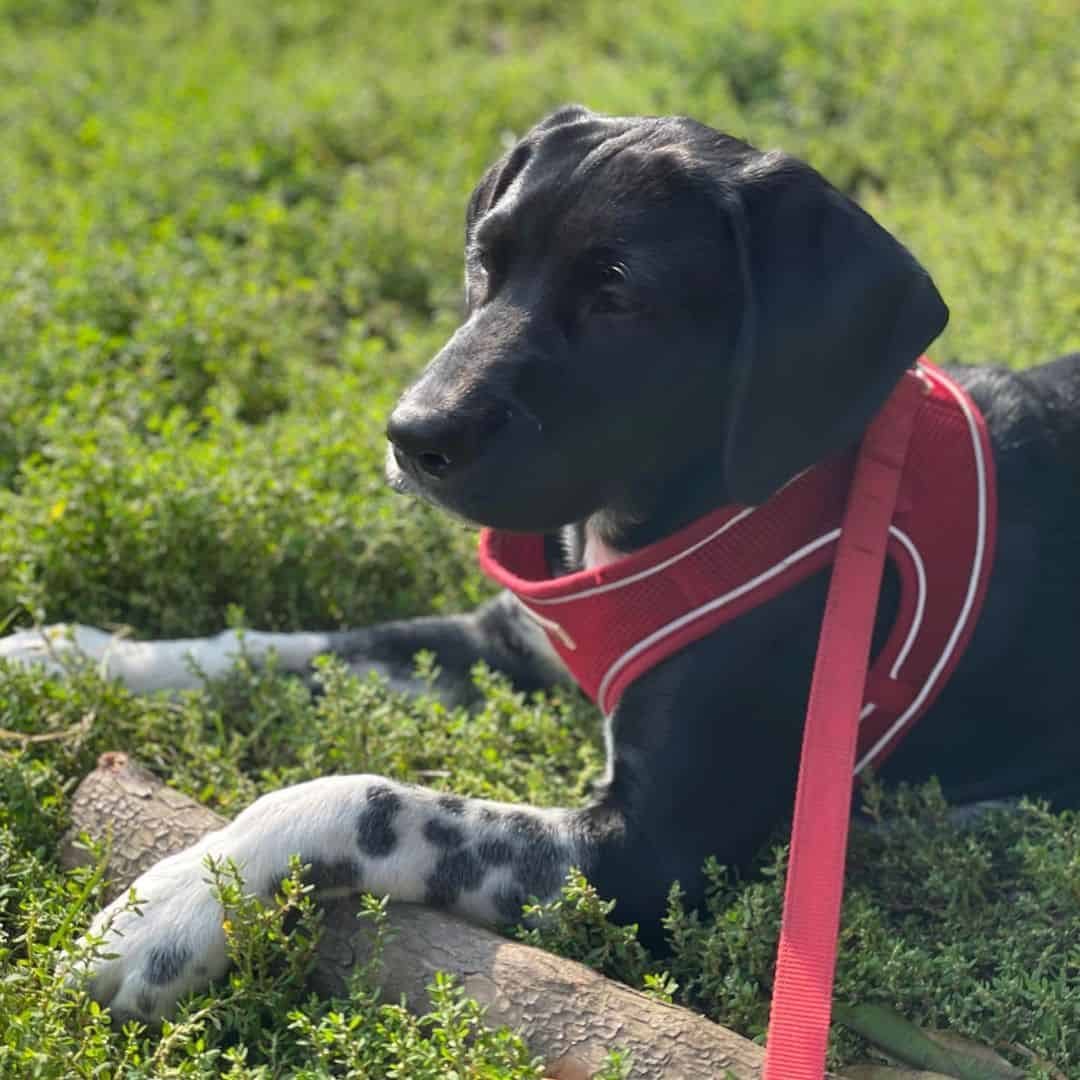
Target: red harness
(612, 624)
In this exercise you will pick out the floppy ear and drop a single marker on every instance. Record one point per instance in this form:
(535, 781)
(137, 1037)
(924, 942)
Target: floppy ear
(500, 175)
(835, 310)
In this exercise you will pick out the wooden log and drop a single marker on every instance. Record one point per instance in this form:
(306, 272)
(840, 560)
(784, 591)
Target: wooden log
(567, 1013)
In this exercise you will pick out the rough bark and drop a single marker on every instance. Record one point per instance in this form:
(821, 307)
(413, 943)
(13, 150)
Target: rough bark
(567, 1013)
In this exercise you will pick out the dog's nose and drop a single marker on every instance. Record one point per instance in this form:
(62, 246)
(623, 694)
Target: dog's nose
(439, 442)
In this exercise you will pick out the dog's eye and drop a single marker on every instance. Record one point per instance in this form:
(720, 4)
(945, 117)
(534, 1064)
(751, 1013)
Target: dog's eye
(611, 293)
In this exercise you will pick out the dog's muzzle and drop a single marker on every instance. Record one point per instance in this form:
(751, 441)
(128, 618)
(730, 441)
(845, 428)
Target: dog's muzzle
(432, 444)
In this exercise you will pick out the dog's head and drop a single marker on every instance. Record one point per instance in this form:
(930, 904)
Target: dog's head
(650, 300)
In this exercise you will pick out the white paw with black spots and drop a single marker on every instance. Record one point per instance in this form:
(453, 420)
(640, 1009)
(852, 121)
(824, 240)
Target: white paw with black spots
(171, 943)
(481, 860)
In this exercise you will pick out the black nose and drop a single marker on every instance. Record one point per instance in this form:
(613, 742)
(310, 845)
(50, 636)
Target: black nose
(437, 441)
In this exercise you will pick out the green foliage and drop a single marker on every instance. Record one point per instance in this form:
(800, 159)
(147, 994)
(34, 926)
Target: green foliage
(972, 927)
(230, 234)
(260, 1023)
(577, 925)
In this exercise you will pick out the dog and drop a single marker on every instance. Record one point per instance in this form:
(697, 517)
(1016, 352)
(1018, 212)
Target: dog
(660, 320)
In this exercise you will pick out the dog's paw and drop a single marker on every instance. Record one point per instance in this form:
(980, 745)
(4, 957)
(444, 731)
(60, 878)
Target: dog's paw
(168, 942)
(56, 648)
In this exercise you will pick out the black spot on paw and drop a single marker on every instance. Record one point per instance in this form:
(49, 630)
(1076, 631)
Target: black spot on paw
(540, 876)
(526, 826)
(165, 963)
(455, 872)
(452, 804)
(375, 834)
(509, 901)
(540, 861)
(340, 873)
(442, 835)
(495, 851)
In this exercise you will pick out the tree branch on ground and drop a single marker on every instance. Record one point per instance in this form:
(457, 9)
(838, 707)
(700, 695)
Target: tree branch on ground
(568, 1014)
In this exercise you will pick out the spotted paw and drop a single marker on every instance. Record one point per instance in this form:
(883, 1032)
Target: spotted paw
(167, 944)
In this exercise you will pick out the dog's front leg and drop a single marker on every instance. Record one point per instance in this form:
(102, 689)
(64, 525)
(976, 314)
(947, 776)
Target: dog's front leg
(498, 633)
(477, 858)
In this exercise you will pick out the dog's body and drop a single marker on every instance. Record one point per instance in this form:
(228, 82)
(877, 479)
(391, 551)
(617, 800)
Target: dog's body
(662, 320)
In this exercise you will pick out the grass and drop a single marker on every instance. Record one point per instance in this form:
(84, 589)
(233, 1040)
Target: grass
(230, 233)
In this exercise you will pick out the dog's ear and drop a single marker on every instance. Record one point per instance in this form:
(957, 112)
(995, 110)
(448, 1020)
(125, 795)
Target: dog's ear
(499, 176)
(493, 183)
(834, 310)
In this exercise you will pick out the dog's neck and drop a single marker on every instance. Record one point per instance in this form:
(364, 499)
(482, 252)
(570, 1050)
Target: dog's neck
(653, 511)
(596, 551)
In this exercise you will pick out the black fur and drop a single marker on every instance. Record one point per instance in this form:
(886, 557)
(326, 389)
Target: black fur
(375, 834)
(452, 804)
(662, 319)
(443, 835)
(456, 870)
(334, 874)
(494, 851)
(165, 962)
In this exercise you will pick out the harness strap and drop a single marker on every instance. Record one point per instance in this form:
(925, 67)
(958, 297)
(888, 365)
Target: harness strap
(806, 957)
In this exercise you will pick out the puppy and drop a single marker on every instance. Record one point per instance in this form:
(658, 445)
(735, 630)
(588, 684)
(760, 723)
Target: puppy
(661, 321)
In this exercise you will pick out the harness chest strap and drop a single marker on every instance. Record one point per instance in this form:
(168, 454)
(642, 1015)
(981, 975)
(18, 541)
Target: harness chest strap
(612, 624)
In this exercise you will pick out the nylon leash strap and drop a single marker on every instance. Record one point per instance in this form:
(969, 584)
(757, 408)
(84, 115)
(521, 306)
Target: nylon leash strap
(806, 956)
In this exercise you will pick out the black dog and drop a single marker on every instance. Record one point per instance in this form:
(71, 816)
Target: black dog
(661, 320)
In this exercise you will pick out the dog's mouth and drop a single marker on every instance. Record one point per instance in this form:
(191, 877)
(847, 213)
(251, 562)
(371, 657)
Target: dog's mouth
(406, 477)
(520, 487)
(397, 477)
(455, 495)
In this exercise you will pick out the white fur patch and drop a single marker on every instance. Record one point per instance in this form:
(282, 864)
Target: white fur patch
(598, 553)
(148, 666)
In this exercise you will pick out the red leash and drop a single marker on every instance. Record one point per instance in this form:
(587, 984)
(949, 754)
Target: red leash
(806, 957)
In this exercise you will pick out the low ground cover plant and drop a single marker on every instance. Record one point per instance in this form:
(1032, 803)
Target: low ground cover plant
(230, 233)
